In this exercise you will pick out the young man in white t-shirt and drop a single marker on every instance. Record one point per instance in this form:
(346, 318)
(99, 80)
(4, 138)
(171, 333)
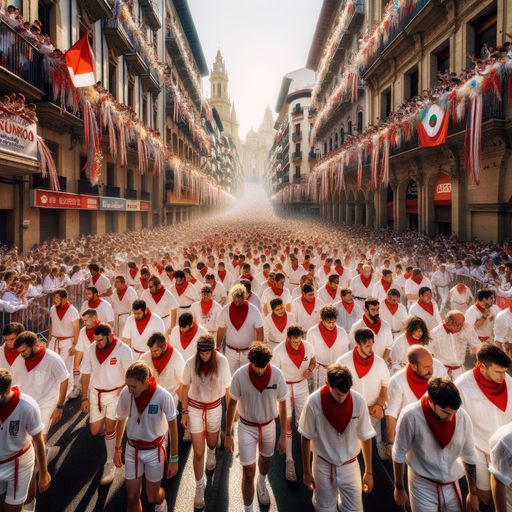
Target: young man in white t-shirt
(99, 281)
(10, 358)
(206, 311)
(122, 300)
(93, 301)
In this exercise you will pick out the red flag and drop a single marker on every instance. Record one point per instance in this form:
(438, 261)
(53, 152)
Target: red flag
(434, 127)
(81, 63)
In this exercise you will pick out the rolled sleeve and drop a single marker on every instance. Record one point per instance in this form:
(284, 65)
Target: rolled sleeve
(307, 423)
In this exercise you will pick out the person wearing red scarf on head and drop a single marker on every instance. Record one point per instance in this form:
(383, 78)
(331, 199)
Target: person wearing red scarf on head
(394, 313)
(104, 365)
(486, 394)
(306, 308)
(184, 292)
(382, 287)
(219, 290)
(140, 326)
(257, 389)
(99, 281)
(415, 333)
(413, 285)
(9, 355)
(335, 426)
(426, 309)
(482, 315)
(103, 308)
(370, 377)
(225, 276)
(432, 429)
(17, 451)
(122, 301)
(277, 289)
(206, 379)
(147, 412)
(362, 285)
(328, 294)
(161, 302)
(276, 324)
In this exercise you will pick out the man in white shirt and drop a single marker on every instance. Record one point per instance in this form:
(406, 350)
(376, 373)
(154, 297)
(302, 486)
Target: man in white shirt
(325, 271)
(306, 309)
(10, 358)
(342, 272)
(483, 314)
(276, 290)
(107, 359)
(103, 308)
(335, 425)
(350, 312)
(328, 294)
(206, 312)
(460, 297)
(295, 272)
(413, 285)
(501, 469)
(394, 313)
(503, 329)
(415, 333)
(184, 292)
(122, 302)
(382, 287)
(185, 335)
(433, 429)
(219, 291)
(99, 281)
(246, 274)
(161, 302)
(486, 394)
(362, 285)
(252, 298)
(225, 276)
(51, 281)
(426, 309)
(276, 324)
(400, 276)
(441, 279)
(263, 275)
(256, 390)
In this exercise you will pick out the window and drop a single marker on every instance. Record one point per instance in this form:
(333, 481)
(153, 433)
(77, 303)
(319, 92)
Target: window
(297, 171)
(342, 136)
(155, 116)
(83, 29)
(219, 90)
(143, 180)
(145, 109)
(330, 144)
(415, 83)
(335, 141)
(131, 93)
(83, 163)
(130, 180)
(349, 127)
(112, 78)
(443, 60)
(485, 32)
(297, 149)
(359, 122)
(111, 171)
(325, 148)
(297, 128)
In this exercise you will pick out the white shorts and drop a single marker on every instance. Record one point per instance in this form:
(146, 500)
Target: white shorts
(300, 395)
(483, 477)
(148, 464)
(46, 410)
(25, 469)
(213, 419)
(108, 405)
(424, 495)
(235, 359)
(248, 438)
(347, 480)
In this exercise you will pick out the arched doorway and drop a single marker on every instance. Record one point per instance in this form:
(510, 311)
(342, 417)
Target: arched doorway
(411, 205)
(443, 205)
(390, 207)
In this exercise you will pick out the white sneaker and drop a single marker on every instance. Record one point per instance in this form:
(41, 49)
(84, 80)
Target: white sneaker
(211, 459)
(53, 451)
(199, 497)
(162, 507)
(382, 448)
(75, 392)
(109, 471)
(290, 471)
(186, 436)
(263, 494)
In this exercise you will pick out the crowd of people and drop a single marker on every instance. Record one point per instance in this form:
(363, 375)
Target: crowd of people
(254, 314)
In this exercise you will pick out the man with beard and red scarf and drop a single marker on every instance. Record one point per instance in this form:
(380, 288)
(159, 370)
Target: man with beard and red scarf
(381, 329)
(296, 359)
(328, 294)
(276, 290)
(382, 287)
(107, 359)
(99, 281)
(370, 376)
(362, 284)
(306, 308)
(147, 411)
(335, 426)
(409, 385)
(434, 429)
(140, 326)
(241, 322)
(161, 302)
(413, 285)
(276, 324)
(486, 393)
(393, 312)
(257, 389)
(206, 312)
(122, 301)
(426, 309)
(103, 308)
(10, 358)
(184, 292)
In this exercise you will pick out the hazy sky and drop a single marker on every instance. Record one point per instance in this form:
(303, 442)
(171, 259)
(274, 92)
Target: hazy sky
(260, 41)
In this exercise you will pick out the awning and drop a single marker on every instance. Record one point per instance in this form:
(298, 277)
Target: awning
(411, 206)
(443, 191)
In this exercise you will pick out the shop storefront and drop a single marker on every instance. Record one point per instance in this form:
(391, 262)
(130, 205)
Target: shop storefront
(443, 205)
(411, 205)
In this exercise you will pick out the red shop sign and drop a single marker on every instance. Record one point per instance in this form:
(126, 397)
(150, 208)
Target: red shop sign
(145, 206)
(50, 199)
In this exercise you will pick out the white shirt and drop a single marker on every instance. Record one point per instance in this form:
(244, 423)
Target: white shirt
(345, 319)
(359, 290)
(325, 297)
(415, 444)
(42, 383)
(172, 374)
(291, 372)
(50, 284)
(112, 372)
(209, 322)
(246, 334)
(272, 333)
(255, 301)
(473, 314)
(378, 290)
(295, 275)
(432, 321)
(164, 307)
(124, 306)
(102, 284)
(209, 388)
(139, 341)
(191, 349)
(305, 320)
(503, 326)
(188, 297)
(325, 355)
(269, 295)
(486, 417)
(63, 328)
(328, 443)
(83, 341)
(450, 348)
(399, 392)
(501, 455)
(228, 280)
(14, 369)
(396, 321)
(254, 406)
(383, 340)
(255, 286)
(398, 352)
(219, 292)
(441, 279)
(413, 288)
(369, 386)
(104, 310)
(7, 306)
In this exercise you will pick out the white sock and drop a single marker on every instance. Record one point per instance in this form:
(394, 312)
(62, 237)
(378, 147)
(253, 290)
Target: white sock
(261, 478)
(30, 506)
(76, 377)
(211, 450)
(289, 455)
(248, 508)
(110, 443)
(160, 506)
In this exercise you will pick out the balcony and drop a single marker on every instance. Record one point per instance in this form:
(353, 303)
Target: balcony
(296, 136)
(311, 156)
(297, 111)
(112, 191)
(117, 39)
(145, 196)
(151, 13)
(135, 63)
(297, 156)
(151, 82)
(96, 9)
(130, 193)
(38, 181)
(85, 187)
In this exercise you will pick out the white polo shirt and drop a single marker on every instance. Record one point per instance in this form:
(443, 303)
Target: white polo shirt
(139, 341)
(124, 306)
(210, 321)
(325, 355)
(246, 334)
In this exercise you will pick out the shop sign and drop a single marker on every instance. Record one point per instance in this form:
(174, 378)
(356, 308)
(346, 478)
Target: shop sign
(50, 199)
(132, 205)
(145, 206)
(18, 137)
(112, 204)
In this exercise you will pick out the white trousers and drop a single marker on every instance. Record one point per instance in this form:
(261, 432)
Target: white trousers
(427, 496)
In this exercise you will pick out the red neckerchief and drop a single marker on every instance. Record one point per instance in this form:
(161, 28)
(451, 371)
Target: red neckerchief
(214, 285)
(266, 274)
(331, 292)
(103, 353)
(170, 275)
(297, 356)
(206, 307)
(412, 341)
(429, 308)
(282, 258)
(203, 271)
(366, 280)
(374, 327)
(443, 432)
(417, 384)
(295, 267)
(11, 354)
(305, 265)
(187, 337)
(329, 337)
(120, 293)
(161, 363)
(446, 328)
(249, 277)
(408, 275)
(238, 314)
(385, 285)
(339, 270)
(260, 383)
(327, 270)
(133, 272)
(417, 279)
(392, 309)
(144, 398)
(193, 280)
(61, 310)
(222, 275)
(7, 409)
(277, 291)
(144, 282)
(90, 332)
(280, 321)
(32, 363)
(480, 308)
(205, 367)
(348, 307)
(159, 294)
(338, 415)
(308, 306)
(95, 278)
(363, 366)
(94, 304)
(496, 393)
(141, 324)
(180, 288)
